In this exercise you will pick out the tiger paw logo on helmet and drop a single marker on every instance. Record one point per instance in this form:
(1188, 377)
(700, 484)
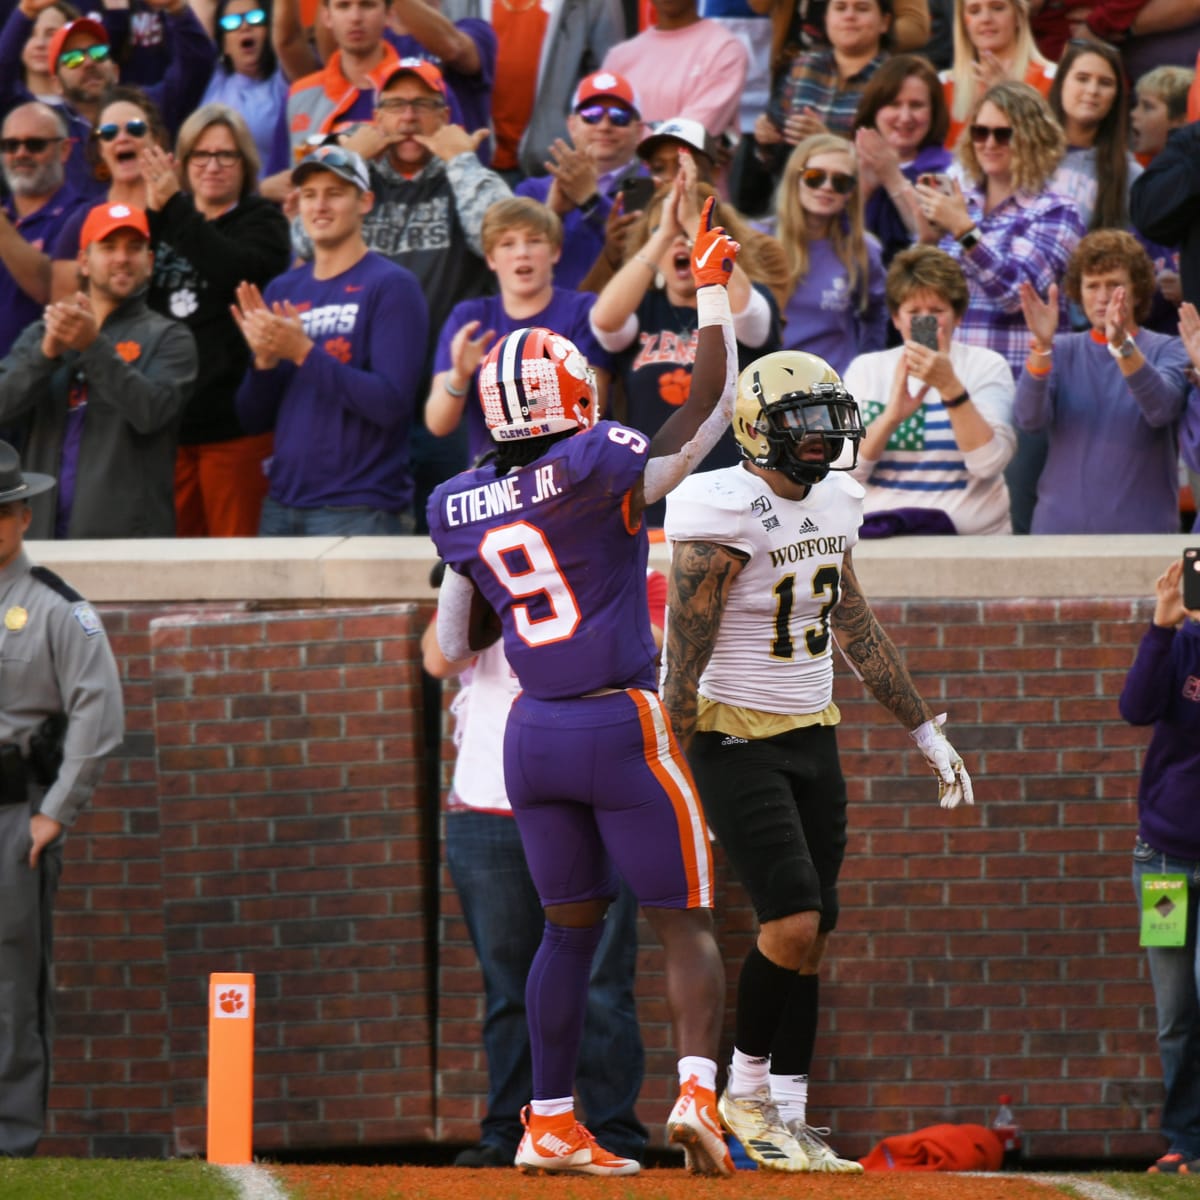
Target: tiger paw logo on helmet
(535, 382)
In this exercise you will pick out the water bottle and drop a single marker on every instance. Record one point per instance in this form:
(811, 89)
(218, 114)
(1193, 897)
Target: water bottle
(1005, 1127)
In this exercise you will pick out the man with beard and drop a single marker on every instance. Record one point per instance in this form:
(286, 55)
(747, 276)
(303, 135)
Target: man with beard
(34, 146)
(101, 382)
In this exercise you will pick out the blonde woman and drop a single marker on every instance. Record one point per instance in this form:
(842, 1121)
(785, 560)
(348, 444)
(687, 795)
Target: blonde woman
(1008, 229)
(836, 308)
(993, 42)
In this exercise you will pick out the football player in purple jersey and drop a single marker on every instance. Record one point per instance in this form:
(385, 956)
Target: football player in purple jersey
(547, 541)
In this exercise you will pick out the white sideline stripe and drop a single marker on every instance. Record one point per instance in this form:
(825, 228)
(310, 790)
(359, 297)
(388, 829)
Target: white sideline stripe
(254, 1183)
(1091, 1189)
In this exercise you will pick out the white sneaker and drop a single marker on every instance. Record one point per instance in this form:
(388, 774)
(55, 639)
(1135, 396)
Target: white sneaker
(755, 1122)
(821, 1156)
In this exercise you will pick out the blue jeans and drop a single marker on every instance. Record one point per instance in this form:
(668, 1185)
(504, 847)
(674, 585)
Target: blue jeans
(1175, 974)
(278, 520)
(505, 920)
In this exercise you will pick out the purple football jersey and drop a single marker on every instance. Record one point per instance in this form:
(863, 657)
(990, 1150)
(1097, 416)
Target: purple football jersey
(549, 548)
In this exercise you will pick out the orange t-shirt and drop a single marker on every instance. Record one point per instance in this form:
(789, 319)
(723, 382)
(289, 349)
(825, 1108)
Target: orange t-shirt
(519, 37)
(1036, 76)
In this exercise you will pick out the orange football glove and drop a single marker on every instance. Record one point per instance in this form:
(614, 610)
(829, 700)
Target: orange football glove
(715, 251)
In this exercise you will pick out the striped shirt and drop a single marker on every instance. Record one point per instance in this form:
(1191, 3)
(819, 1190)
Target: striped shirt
(1027, 238)
(813, 82)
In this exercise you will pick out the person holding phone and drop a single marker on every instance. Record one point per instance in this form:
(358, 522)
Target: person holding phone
(586, 179)
(937, 413)
(1160, 690)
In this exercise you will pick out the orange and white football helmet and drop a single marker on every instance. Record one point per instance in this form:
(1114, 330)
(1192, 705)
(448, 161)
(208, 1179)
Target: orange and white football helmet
(535, 382)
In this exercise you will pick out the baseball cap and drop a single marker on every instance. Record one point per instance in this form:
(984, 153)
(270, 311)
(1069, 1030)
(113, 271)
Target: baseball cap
(423, 69)
(337, 160)
(108, 218)
(679, 129)
(606, 84)
(81, 25)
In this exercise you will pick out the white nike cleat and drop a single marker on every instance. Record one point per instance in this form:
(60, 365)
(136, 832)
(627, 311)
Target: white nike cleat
(695, 1125)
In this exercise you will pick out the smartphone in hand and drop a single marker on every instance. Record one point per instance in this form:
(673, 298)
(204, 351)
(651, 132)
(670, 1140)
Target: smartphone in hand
(1191, 578)
(938, 182)
(924, 330)
(636, 192)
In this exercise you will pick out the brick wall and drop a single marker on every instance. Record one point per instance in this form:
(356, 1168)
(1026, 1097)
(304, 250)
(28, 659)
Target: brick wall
(265, 815)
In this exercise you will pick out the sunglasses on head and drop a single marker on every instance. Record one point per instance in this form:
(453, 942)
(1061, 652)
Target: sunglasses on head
(111, 130)
(232, 22)
(76, 58)
(35, 145)
(617, 114)
(1002, 135)
(841, 183)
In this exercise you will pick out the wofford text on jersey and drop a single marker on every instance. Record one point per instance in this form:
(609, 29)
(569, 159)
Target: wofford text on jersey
(807, 548)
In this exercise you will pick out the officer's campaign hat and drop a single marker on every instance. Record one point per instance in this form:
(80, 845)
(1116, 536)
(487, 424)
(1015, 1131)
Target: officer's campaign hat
(15, 485)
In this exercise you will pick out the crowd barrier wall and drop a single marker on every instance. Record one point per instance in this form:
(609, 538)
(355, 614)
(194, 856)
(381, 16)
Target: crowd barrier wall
(273, 809)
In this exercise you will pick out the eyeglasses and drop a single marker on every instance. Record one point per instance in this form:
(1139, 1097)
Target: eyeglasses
(76, 58)
(34, 145)
(423, 104)
(1002, 135)
(110, 131)
(841, 183)
(617, 114)
(232, 22)
(223, 158)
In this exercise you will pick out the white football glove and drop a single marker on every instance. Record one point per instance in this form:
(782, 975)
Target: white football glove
(954, 784)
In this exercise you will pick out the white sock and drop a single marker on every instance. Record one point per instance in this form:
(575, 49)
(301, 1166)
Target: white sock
(790, 1093)
(553, 1108)
(748, 1075)
(704, 1069)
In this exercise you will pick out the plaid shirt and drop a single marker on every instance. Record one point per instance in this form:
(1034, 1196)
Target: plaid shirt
(813, 83)
(1026, 238)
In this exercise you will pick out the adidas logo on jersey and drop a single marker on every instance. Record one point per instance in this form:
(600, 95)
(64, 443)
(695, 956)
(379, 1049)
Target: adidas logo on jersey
(808, 527)
(734, 741)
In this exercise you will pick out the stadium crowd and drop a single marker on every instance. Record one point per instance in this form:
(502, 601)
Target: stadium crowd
(257, 260)
(474, 168)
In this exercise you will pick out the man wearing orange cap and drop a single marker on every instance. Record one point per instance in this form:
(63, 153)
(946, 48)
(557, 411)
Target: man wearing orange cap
(102, 381)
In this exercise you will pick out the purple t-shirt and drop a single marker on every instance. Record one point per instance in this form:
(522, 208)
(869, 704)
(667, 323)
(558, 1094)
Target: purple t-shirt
(567, 313)
(548, 547)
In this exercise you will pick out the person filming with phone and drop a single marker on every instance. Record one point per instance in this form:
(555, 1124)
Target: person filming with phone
(937, 412)
(1160, 690)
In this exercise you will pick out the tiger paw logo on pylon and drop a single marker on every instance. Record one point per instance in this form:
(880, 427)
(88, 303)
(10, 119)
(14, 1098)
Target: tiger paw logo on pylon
(233, 1001)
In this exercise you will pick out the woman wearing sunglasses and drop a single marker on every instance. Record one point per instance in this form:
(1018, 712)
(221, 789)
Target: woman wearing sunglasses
(836, 309)
(1007, 229)
(128, 122)
(247, 76)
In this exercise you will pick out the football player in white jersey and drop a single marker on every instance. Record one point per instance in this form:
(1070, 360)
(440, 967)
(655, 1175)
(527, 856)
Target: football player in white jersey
(761, 583)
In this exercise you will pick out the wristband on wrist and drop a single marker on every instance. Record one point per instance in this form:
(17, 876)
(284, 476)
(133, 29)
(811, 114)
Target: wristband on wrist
(457, 393)
(970, 238)
(958, 401)
(1036, 370)
(646, 262)
(1042, 352)
(712, 306)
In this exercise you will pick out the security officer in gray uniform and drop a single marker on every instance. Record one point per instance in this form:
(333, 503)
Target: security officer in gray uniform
(61, 712)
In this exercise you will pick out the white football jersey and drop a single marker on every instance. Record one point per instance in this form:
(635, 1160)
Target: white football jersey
(773, 651)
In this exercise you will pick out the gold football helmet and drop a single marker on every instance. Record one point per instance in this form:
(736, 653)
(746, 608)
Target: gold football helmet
(785, 402)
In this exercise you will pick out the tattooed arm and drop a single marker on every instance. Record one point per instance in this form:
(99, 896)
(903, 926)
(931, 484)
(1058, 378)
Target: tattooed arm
(701, 575)
(874, 655)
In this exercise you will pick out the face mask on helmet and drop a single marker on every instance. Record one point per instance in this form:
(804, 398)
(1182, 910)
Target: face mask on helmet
(535, 382)
(802, 434)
